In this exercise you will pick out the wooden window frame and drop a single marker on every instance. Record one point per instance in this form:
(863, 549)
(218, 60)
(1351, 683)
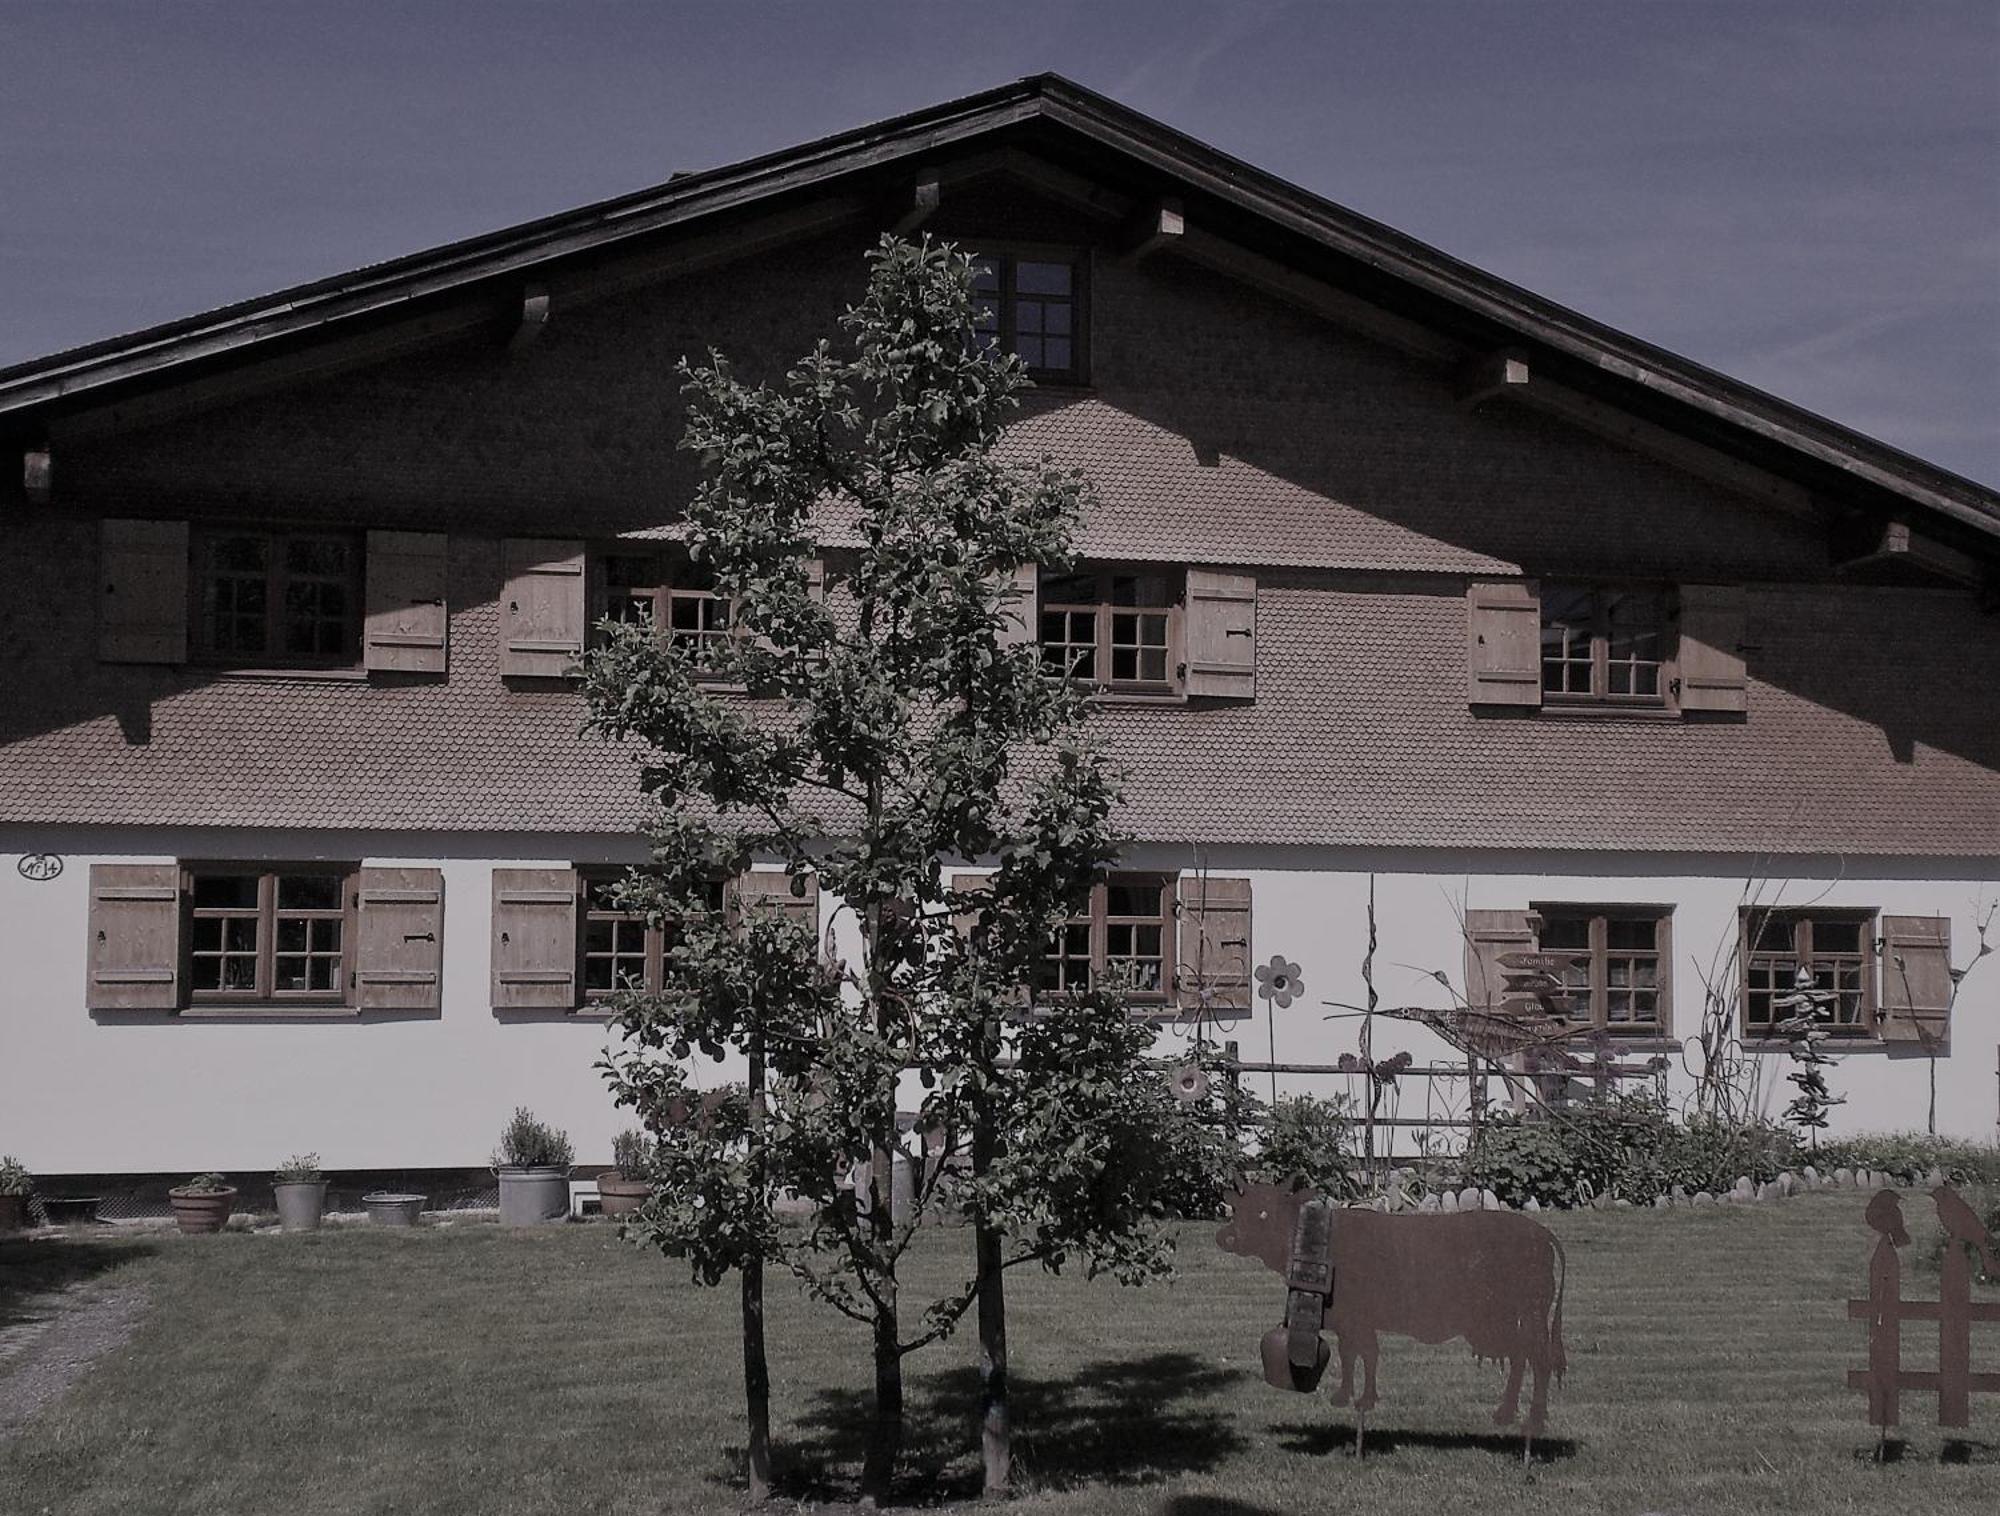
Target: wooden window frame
(1007, 258)
(1867, 1024)
(1104, 610)
(266, 912)
(1097, 918)
(201, 645)
(1599, 918)
(590, 878)
(1600, 693)
(658, 598)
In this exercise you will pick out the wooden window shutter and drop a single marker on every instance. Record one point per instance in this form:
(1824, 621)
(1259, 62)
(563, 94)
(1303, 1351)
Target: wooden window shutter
(1221, 632)
(1488, 934)
(142, 592)
(1916, 983)
(407, 621)
(1018, 620)
(543, 614)
(770, 890)
(816, 578)
(1503, 642)
(135, 937)
(1214, 949)
(534, 939)
(1712, 673)
(398, 939)
(970, 882)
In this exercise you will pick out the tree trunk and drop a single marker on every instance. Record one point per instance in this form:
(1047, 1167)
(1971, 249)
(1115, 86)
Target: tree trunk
(885, 1432)
(756, 1371)
(996, 1431)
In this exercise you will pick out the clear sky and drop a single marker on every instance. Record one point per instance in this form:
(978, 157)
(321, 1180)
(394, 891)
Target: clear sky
(1803, 195)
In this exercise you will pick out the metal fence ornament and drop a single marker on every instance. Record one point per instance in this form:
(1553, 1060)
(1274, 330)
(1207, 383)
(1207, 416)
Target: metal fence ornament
(1494, 1278)
(1189, 1083)
(1279, 981)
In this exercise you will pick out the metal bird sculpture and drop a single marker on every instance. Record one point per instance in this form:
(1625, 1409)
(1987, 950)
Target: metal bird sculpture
(1962, 1222)
(1885, 1214)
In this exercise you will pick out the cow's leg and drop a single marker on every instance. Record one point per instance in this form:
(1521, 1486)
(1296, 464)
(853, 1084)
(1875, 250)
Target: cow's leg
(1510, 1399)
(1538, 1403)
(1345, 1393)
(1369, 1346)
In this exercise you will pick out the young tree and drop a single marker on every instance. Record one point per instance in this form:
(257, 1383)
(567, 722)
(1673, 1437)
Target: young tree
(897, 720)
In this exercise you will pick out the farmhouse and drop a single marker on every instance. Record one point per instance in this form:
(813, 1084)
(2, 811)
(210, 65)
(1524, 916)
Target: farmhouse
(1402, 578)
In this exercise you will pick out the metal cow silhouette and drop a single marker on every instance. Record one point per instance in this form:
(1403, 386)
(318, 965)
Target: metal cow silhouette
(1494, 1278)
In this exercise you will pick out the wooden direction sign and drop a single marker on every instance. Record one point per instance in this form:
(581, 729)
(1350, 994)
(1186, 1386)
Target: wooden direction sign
(1536, 1005)
(1534, 984)
(1543, 963)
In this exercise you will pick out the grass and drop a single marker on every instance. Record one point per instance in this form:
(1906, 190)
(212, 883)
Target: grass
(469, 1369)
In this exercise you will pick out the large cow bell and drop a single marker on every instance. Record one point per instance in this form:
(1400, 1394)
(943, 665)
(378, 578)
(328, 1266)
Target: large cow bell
(1283, 1374)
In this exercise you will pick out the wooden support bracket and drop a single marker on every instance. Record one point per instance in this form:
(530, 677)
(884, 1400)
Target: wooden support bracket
(37, 475)
(1488, 376)
(924, 197)
(1159, 226)
(534, 317)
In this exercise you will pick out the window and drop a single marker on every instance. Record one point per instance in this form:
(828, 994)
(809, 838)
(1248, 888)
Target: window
(277, 598)
(1031, 306)
(1623, 954)
(621, 949)
(1835, 951)
(1603, 644)
(266, 934)
(1126, 928)
(679, 598)
(1115, 630)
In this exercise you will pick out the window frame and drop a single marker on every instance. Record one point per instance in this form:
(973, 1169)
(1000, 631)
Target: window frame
(1867, 1026)
(668, 569)
(589, 879)
(1009, 256)
(1599, 917)
(1098, 919)
(204, 536)
(1600, 695)
(1104, 610)
(265, 994)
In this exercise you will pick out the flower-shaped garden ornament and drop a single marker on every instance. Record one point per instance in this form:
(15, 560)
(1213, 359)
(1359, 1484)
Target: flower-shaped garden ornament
(1278, 981)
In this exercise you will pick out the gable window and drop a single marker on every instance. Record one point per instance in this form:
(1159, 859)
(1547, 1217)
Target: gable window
(1835, 951)
(1116, 630)
(1603, 644)
(1618, 981)
(277, 598)
(1125, 929)
(621, 949)
(266, 934)
(1030, 306)
(677, 597)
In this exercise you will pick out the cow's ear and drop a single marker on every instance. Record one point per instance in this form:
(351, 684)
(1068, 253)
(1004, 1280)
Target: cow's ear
(1300, 1184)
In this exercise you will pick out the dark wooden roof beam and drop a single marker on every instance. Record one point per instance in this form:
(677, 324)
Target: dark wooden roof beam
(1160, 225)
(923, 203)
(534, 316)
(1897, 547)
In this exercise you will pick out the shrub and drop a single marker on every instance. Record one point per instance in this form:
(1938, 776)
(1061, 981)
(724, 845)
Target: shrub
(203, 1184)
(632, 1154)
(14, 1177)
(1312, 1138)
(526, 1143)
(1912, 1155)
(300, 1168)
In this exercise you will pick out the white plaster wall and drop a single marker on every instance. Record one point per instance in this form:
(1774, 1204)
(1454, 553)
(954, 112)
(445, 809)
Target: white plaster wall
(83, 1094)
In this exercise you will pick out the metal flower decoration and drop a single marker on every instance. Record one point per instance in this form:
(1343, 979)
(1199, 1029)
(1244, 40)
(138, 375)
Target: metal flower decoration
(1278, 981)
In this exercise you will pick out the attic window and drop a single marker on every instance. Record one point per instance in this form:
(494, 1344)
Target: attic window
(1031, 306)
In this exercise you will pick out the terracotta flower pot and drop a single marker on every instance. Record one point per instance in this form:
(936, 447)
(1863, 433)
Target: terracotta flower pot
(619, 1196)
(199, 1211)
(13, 1212)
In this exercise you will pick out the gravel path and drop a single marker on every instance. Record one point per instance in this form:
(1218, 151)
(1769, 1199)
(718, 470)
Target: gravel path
(64, 1333)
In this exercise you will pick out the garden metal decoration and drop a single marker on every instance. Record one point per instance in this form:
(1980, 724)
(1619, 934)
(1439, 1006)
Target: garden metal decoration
(1494, 1278)
(1885, 1310)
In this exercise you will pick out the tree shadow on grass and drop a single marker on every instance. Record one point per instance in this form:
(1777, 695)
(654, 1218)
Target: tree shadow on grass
(31, 1267)
(1110, 1423)
(1319, 1439)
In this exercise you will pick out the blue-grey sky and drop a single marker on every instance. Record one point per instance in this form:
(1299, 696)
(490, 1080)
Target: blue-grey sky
(1803, 195)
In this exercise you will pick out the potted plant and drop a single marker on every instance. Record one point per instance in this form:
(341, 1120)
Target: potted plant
(626, 1187)
(300, 1190)
(202, 1204)
(533, 1165)
(393, 1207)
(16, 1185)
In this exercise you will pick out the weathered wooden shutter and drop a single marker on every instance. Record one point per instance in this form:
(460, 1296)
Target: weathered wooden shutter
(770, 890)
(816, 578)
(135, 937)
(1214, 943)
(407, 620)
(1018, 619)
(543, 614)
(1916, 979)
(1503, 642)
(1221, 633)
(142, 592)
(1712, 673)
(398, 939)
(534, 939)
(1488, 934)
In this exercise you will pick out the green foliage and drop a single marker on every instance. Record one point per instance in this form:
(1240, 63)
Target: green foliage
(203, 1184)
(15, 1178)
(1629, 1147)
(1312, 1138)
(300, 1168)
(1912, 1155)
(632, 1154)
(526, 1143)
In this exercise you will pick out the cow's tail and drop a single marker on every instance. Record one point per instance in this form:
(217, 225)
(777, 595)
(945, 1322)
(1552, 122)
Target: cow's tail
(1558, 1359)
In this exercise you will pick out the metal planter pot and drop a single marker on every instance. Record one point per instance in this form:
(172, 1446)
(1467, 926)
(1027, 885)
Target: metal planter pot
(301, 1204)
(392, 1208)
(533, 1196)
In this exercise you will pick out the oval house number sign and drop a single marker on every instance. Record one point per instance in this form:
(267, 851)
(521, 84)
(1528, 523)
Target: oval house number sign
(39, 866)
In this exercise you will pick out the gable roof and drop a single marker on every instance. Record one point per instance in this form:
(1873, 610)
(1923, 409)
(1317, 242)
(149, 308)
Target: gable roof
(1102, 142)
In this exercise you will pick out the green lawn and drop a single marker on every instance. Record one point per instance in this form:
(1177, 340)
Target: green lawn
(470, 1370)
